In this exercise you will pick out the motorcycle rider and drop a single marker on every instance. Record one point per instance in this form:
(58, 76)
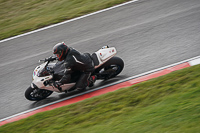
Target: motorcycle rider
(74, 61)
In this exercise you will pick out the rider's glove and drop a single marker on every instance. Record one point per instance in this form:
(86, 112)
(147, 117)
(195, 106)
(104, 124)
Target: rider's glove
(57, 84)
(51, 58)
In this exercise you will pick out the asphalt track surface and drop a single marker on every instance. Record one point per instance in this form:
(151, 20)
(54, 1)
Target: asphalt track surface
(148, 34)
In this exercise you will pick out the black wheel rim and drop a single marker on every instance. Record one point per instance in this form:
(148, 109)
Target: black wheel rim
(110, 71)
(39, 94)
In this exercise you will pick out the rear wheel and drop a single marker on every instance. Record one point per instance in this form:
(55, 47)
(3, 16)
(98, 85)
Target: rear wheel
(35, 94)
(110, 69)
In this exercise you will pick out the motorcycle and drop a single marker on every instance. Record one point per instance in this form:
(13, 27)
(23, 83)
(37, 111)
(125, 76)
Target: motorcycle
(107, 66)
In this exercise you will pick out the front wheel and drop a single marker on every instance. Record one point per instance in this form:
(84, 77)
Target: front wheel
(110, 69)
(35, 94)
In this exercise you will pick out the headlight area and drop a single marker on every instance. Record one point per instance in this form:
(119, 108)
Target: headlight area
(35, 73)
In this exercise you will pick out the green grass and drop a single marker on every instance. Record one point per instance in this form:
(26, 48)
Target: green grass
(166, 104)
(20, 16)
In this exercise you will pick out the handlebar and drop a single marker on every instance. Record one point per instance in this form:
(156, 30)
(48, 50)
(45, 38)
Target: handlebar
(46, 63)
(41, 60)
(48, 60)
(51, 58)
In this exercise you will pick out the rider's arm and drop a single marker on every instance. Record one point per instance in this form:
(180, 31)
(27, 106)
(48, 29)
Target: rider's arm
(67, 74)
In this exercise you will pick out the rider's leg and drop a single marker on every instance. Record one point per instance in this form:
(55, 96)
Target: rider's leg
(82, 83)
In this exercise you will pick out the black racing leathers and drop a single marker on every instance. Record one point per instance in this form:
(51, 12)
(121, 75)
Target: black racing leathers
(75, 61)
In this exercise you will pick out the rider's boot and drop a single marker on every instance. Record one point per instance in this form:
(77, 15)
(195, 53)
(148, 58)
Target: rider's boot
(92, 80)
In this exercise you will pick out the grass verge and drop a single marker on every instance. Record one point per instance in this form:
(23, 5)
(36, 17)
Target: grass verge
(165, 104)
(20, 16)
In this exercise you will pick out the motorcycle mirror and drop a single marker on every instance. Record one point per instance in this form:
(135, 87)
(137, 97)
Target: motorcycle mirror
(41, 61)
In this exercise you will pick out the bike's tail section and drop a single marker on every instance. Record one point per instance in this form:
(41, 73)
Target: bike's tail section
(103, 55)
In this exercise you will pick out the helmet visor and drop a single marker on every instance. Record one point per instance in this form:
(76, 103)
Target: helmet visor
(59, 54)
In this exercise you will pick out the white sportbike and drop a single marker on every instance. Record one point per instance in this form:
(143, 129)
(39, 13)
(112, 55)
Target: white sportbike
(44, 76)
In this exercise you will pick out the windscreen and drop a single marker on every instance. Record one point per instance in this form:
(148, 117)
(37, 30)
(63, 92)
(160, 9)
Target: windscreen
(43, 72)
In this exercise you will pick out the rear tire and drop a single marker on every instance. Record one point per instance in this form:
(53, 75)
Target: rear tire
(110, 69)
(35, 94)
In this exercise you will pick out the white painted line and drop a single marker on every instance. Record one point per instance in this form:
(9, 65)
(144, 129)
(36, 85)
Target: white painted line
(133, 77)
(159, 69)
(71, 20)
(194, 62)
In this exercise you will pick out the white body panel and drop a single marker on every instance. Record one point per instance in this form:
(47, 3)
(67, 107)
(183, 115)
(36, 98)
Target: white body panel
(105, 54)
(39, 81)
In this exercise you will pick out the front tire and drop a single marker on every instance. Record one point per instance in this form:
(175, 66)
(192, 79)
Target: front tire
(110, 69)
(35, 94)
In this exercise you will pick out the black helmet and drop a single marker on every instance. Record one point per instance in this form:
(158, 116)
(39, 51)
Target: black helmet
(60, 50)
